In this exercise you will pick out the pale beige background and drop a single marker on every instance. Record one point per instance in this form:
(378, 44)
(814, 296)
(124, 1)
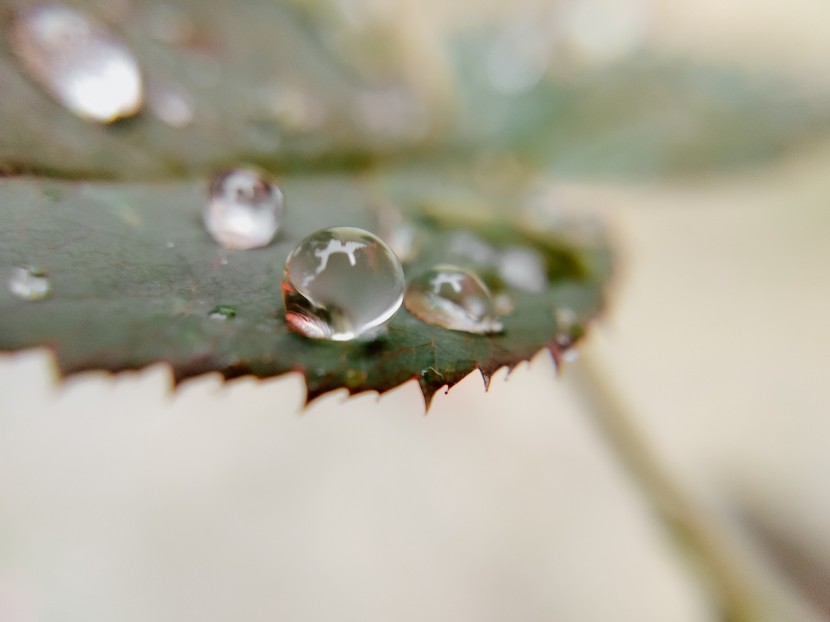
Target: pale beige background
(121, 502)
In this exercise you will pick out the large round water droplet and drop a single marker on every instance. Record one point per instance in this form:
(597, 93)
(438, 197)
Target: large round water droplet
(244, 209)
(78, 61)
(30, 284)
(341, 283)
(453, 298)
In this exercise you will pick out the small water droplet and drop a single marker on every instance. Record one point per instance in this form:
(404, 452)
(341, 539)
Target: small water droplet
(30, 283)
(503, 303)
(171, 245)
(567, 330)
(224, 261)
(523, 268)
(244, 208)
(565, 318)
(454, 298)
(405, 238)
(171, 105)
(78, 61)
(222, 312)
(341, 283)
(472, 247)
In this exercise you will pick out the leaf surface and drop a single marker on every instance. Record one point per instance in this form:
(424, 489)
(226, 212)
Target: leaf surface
(135, 279)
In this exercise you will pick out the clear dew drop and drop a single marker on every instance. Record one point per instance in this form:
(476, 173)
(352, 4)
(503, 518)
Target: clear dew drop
(566, 323)
(78, 61)
(454, 298)
(244, 209)
(222, 312)
(341, 284)
(30, 284)
(523, 268)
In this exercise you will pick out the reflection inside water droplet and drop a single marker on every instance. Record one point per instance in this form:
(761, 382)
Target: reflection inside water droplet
(453, 298)
(341, 283)
(78, 61)
(222, 312)
(30, 283)
(244, 209)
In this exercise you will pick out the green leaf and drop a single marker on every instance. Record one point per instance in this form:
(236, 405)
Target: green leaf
(357, 135)
(644, 117)
(136, 279)
(263, 87)
(292, 86)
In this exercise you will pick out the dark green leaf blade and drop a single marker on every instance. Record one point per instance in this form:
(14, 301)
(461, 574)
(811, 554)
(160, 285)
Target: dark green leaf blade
(261, 85)
(136, 279)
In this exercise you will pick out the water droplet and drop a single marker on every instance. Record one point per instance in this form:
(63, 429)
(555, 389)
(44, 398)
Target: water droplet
(171, 245)
(523, 268)
(405, 238)
(472, 247)
(222, 312)
(78, 61)
(567, 331)
(340, 284)
(503, 303)
(454, 298)
(565, 318)
(171, 105)
(30, 283)
(244, 208)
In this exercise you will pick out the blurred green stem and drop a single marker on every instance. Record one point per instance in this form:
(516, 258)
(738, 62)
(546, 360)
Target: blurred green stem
(744, 589)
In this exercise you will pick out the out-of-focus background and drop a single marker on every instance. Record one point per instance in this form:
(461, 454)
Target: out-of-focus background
(122, 501)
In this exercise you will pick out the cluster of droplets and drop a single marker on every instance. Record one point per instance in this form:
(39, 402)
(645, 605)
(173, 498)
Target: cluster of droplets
(341, 283)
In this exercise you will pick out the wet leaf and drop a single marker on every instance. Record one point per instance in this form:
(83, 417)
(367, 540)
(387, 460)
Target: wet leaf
(136, 279)
(249, 79)
(304, 86)
(120, 274)
(642, 117)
